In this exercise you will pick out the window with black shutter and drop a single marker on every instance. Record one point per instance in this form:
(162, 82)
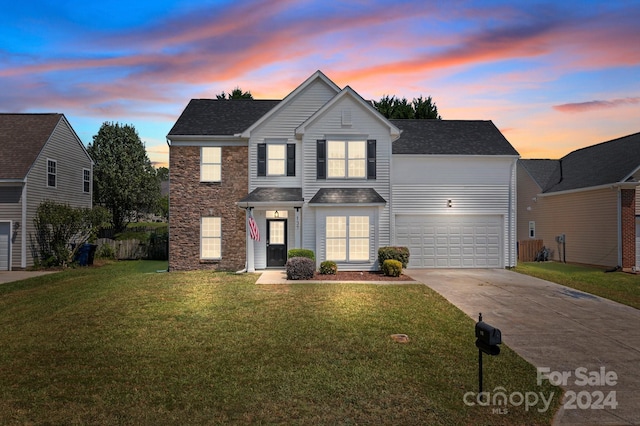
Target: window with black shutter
(262, 159)
(291, 159)
(321, 159)
(371, 159)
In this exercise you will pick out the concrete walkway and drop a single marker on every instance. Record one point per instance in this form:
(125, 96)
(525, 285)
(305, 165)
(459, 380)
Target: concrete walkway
(587, 339)
(10, 276)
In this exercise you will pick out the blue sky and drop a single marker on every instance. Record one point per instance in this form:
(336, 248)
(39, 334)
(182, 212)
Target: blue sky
(553, 76)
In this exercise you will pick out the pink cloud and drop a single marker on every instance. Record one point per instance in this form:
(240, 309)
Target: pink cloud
(595, 105)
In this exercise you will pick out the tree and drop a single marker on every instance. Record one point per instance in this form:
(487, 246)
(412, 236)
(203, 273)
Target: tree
(124, 181)
(236, 93)
(163, 174)
(395, 108)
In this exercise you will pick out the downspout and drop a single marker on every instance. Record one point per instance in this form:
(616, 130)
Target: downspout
(168, 209)
(619, 227)
(510, 216)
(23, 236)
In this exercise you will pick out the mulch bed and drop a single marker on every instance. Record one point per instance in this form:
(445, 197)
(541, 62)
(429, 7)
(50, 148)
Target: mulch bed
(359, 276)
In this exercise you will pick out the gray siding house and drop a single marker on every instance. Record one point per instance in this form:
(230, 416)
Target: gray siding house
(585, 206)
(41, 158)
(324, 170)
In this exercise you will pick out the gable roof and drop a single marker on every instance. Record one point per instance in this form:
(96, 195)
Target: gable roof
(22, 137)
(348, 91)
(606, 163)
(207, 117)
(318, 75)
(450, 137)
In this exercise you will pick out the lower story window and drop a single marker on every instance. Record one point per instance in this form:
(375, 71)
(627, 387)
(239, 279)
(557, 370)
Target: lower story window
(347, 238)
(210, 238)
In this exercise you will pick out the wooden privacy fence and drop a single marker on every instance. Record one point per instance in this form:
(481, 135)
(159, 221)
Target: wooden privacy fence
(528, 250)
(136, 249)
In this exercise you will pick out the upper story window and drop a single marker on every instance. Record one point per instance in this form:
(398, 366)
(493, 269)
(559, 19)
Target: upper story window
(346, 159)
(86, 180)
(210, 164)
(52, 173)
(276, 159)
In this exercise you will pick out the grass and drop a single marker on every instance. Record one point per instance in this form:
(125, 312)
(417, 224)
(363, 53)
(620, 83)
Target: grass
(124, 344)
(617, 286)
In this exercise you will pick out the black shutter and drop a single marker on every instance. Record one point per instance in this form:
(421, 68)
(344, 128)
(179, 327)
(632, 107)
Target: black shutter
(371, 159)
(321, 163)
(291, 159)
(262, 159)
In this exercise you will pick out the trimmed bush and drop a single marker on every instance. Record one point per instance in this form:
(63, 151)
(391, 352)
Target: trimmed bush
(401, 254)
(392, 268)
(300, 268)
(298, 252)
(328, 267)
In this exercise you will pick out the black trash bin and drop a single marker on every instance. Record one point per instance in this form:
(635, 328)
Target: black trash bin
(82, 255)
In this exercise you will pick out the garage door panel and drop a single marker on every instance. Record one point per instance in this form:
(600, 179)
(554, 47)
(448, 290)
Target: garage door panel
(451, 242)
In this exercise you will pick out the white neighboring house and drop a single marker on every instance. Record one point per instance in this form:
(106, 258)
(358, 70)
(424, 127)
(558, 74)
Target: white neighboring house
(322, 169)
(41, 158)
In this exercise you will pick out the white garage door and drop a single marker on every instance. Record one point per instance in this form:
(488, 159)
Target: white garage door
(451, 241)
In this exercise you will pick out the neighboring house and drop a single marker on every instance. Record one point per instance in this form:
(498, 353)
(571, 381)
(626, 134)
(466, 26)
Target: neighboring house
(584, 206)
(322, 169)
(41, 158)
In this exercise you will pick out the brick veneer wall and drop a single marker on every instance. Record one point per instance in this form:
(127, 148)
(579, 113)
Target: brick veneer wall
(190, 199)
(628, 219)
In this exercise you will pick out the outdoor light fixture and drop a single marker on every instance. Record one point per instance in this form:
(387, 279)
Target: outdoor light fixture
(449, 203)
(276, 214)
(16, 226)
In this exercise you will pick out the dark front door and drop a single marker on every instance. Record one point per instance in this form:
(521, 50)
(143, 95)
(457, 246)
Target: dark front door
(276, 242)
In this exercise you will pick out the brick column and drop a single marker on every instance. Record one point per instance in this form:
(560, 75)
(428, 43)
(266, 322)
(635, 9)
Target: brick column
(628, 222)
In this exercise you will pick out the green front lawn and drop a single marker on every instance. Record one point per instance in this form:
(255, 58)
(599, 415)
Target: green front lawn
(125, 344)
(617, 286)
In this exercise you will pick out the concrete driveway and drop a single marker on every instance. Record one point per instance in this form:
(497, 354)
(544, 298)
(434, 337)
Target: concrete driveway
(582, 340)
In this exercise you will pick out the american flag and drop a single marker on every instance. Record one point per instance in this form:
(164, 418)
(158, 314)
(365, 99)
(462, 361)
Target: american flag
(253, 228)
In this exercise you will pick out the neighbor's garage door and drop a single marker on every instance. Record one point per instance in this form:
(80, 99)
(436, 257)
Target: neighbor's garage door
(451, 241)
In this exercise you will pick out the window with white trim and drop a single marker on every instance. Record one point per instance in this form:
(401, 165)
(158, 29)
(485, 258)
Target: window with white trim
(532, 229)
(210, 164)
(86, 180)
(347, 238)
(346, 159)
(210, 238)
(52, 173)
(276, 159)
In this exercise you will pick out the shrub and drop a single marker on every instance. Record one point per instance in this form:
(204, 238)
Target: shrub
(299, 252)
(328, 267)
(392, 268)
(401, 254)
(300, 268)
(105, 251)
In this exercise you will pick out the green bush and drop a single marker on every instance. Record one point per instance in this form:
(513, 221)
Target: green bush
(300, 268)
(392, 268)
(105, 251)
(328, 267)
(299, 252)
(401, 254)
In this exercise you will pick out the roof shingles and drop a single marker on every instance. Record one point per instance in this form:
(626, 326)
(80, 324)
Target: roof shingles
(22, 137)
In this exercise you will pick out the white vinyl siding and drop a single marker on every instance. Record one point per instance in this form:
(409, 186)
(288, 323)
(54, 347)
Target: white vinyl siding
(210, 238)
(210, 164)
(476, 186)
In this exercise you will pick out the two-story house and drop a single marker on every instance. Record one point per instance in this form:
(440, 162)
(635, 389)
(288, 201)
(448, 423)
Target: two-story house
(41, 158)
(322, 169)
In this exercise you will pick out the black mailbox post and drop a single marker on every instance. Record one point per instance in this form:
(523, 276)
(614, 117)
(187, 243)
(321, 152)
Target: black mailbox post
(487, 340)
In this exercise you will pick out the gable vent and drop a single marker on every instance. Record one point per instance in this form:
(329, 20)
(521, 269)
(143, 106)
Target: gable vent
(346, 117)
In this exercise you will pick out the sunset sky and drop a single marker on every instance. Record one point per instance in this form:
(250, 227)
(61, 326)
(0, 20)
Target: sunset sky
(553, 76)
